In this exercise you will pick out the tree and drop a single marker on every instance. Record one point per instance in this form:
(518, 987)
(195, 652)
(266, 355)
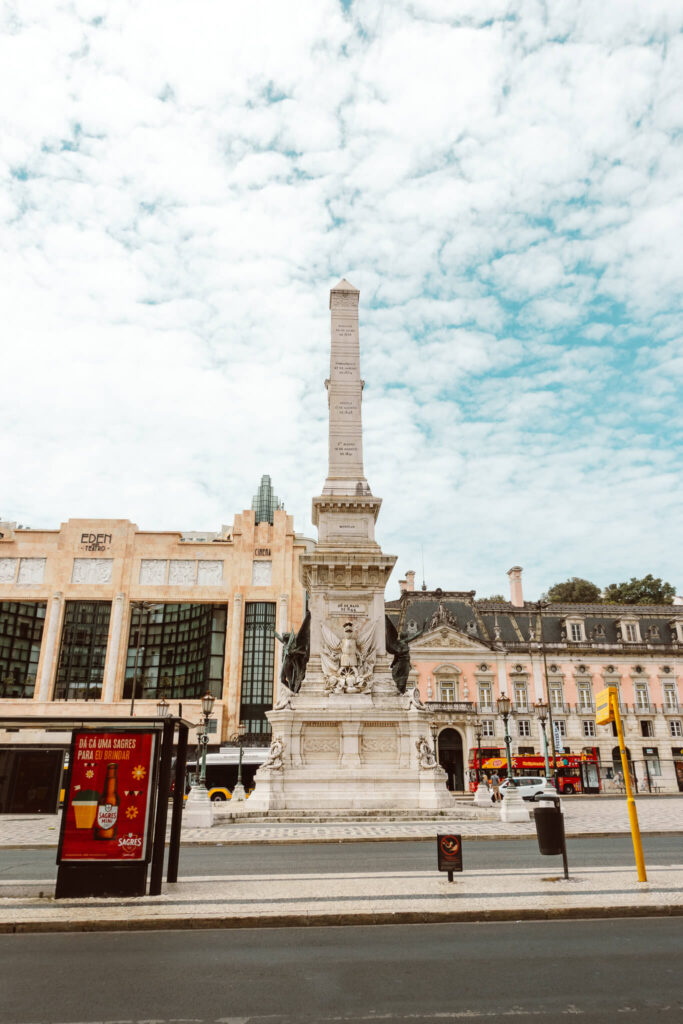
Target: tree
(573, 591)
(495, 597)
(646, 591)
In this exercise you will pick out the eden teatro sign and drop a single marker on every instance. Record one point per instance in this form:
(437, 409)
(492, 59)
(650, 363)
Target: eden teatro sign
(95, 541)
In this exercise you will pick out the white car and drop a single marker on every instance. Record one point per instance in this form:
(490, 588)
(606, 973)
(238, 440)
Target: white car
(531, 787)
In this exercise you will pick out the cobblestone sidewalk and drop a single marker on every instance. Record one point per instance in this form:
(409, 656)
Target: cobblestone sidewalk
(582, 817)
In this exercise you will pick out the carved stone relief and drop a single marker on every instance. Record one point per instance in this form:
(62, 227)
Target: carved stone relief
(92, 570)
(31, 570)
(153, 572)
(209, 573)
(261, 574)
(348, 662)
(182, 572)
(8, 570)
(321, 743)
(378, 744)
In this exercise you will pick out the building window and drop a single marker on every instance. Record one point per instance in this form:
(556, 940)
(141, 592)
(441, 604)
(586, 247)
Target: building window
(523, 727)
(21, 633)
(561, 726)
(258, 664)
(487, 728)
(675, 727)
(448, 690)
(630, 632)
(647, 728)
(588, 727)
(83, 650)
(575, 631)
(599, 631)
(176, 651)
(670, 698)
(556, 697)
(521, 699)
(642, 698)
(485, 699)
(585, 698)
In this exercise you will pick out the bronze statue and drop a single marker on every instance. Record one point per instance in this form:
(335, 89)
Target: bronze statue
(400, 666)
(295, 654)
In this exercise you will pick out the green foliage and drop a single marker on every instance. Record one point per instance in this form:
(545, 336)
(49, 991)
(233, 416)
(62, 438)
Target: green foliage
(646, 591)
(573, 591)
(495, 597)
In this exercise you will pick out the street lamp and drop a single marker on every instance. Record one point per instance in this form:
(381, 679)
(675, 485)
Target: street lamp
(163, 708)
(478, 734)
(238, 793)
(434, 729)
(540, 606)
(541, 709)
(504, 705)
(208, 701)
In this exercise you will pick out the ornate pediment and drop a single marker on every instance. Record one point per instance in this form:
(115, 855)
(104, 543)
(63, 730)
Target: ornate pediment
(446, 638)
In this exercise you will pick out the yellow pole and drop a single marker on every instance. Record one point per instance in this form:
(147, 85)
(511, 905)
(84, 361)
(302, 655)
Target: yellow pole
(632, 812)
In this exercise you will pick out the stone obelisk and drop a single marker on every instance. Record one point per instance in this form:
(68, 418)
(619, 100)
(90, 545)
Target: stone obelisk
(348, 739)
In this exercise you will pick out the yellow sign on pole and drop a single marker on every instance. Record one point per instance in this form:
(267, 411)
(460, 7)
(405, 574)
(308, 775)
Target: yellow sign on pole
(603, 706)
(613, 697)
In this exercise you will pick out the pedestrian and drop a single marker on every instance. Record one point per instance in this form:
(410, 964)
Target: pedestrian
(495, 786)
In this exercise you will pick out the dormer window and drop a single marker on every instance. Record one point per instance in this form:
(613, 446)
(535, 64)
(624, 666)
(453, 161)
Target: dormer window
(676, 626)
(599, 631)
(630, 631)
(576, 632)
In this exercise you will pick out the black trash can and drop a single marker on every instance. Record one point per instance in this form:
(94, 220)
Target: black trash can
(550, 829)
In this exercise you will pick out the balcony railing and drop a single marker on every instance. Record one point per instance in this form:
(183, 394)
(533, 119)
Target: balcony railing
(462, 706)
(644, 709)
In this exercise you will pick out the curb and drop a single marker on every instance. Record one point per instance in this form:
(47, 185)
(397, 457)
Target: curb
(318, 840)
(338, 920)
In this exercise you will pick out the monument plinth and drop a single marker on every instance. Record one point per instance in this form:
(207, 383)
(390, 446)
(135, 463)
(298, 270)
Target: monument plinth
(344, 735)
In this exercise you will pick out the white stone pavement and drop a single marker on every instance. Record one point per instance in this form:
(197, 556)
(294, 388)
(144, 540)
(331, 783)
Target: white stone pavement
(358, 897)
(605, 815)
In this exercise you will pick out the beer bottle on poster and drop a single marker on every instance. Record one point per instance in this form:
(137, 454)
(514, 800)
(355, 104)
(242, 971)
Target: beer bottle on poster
(108, 807)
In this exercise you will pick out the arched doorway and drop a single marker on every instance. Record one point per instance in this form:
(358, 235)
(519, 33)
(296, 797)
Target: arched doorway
(449, 746)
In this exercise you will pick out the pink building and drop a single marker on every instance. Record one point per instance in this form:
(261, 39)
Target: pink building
(468, 652)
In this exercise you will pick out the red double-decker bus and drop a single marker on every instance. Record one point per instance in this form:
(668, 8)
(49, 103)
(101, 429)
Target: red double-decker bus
(576, 773)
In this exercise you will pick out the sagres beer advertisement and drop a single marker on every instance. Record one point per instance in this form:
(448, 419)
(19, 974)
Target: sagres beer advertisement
(110, 791)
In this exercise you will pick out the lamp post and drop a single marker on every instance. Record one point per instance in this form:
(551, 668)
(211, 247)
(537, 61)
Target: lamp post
(434, 729)
(477, 733)
(238, 792)
(540, 606)
(504, 705)
(208, 701)
(144, 608)
(541, 709)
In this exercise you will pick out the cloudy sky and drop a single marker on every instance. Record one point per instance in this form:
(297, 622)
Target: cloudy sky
(182, 183)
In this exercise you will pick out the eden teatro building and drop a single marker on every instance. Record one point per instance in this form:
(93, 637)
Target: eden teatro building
(99, 617)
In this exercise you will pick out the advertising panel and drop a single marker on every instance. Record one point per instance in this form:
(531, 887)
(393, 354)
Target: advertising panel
(107, 808)
(449, 853)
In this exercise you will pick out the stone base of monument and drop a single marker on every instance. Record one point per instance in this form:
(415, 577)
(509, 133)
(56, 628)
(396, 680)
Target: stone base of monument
(198, 810)
(482, 796)
(345, 752)
(513, 808)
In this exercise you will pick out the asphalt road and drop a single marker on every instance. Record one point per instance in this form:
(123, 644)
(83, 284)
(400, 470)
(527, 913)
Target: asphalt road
(304, 858)
(542, 972)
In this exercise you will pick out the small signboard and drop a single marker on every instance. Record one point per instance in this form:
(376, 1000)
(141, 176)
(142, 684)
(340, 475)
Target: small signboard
(449, 853)
(603, 706)
(109, 802)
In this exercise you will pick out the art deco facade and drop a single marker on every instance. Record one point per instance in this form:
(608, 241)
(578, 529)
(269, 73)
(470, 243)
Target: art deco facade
(100, 614)
(470, 651)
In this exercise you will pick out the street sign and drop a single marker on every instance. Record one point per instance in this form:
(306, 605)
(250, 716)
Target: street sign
(603, 706)
(449, 853)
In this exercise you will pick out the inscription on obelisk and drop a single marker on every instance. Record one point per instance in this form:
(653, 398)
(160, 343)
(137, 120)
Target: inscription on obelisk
(345, 472)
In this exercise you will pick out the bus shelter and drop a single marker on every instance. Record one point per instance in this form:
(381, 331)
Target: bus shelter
(117, 790)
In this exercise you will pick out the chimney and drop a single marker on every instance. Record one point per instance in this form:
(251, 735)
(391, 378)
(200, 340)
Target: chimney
(410, 580)
(403, 586)
(516, 596)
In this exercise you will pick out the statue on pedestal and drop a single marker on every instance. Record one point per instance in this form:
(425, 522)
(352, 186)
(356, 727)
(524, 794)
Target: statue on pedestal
(295, 655)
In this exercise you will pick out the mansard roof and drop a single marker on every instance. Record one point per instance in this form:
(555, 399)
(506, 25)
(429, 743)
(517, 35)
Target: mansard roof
(500, 622)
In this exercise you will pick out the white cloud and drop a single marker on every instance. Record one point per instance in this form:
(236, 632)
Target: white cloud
(180, 187)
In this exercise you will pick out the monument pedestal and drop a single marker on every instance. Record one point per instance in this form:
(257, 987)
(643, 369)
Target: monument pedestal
(348, 739)
(198, 810)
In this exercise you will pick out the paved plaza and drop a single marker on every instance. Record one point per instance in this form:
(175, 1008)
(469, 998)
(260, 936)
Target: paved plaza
(583, 817)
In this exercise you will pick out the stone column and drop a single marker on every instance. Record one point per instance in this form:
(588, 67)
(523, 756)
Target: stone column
(49, 641)
(281, 628)
(111, 664)
(235, 644)
(345, 388)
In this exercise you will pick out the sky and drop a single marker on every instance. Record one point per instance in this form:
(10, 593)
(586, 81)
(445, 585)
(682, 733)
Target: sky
(181, 184)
